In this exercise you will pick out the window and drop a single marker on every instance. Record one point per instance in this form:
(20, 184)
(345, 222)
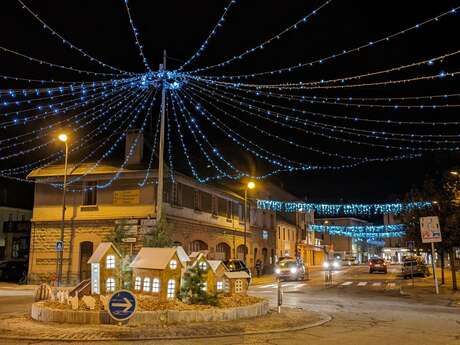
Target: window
(205, 286)
(238, 286)
(146, 284)
(197, 199)
(220, 285)
(90, 193)
(214, 205)
(95, 276)
(137, 283)
(171, 288)
(156, 285)
(240, 213)
(23, 217)
(202, 265)
(229, 209)
(173, 264)
(264, 234)
(110, 261)
(176, 194)
(110, 285)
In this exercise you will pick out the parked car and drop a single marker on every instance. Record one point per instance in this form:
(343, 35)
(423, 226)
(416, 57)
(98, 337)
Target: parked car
(235, 265)
(377, 265)
(414, 266)
(350, 260)
(290, 269)
(13, 270)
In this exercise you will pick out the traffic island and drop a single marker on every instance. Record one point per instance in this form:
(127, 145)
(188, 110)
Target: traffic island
(289, 320)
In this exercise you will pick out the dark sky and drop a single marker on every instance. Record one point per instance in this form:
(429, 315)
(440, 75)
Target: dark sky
(102, 29)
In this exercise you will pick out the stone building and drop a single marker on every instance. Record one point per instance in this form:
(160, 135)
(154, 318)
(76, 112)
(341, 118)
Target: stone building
(100, 209)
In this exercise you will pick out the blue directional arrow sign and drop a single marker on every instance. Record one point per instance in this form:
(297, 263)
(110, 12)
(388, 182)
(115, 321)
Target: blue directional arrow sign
(122, 305)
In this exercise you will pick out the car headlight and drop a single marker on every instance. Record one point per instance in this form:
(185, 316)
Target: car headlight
(335, 264)
(293, 269)
(277, 271)
(326, 264)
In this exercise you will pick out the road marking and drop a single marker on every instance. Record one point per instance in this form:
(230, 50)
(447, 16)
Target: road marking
(377, 284)
(362, 283)
(266, 286)
(391, 285)
(298, 286)
(347, 283)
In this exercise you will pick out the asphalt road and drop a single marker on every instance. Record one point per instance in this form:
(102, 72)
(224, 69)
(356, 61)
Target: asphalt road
(366, 309)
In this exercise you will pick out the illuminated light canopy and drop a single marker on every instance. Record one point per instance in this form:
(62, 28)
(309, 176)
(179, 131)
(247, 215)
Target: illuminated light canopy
(362, 231)
(323, 209)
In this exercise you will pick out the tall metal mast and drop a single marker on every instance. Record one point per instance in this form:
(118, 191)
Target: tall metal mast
(161, 147)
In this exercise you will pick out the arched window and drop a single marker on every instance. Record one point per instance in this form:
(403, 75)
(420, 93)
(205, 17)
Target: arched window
(156, 285)
(138, 283)
(146, 284)
(198, 245)
(110, 261)
(173, 264)
(240, 251)
(110, 284)
(171, 288)
(222, 251)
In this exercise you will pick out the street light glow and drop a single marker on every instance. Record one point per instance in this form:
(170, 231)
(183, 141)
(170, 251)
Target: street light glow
(63, 137)
(251, 185)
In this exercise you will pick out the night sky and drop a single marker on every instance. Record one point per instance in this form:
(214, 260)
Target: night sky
(102, 29)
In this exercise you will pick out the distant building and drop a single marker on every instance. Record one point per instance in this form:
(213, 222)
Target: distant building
(395, 248)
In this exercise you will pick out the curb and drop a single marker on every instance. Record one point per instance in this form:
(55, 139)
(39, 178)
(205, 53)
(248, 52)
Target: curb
(324, 318)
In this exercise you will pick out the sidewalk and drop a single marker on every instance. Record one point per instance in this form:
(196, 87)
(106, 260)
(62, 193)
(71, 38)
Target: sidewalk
(14, 286)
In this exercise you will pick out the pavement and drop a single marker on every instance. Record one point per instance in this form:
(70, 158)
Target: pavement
(377, 309)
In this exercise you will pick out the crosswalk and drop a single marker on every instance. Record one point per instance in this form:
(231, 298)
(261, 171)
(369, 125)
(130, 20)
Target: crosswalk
(297, 286)
(384, 284)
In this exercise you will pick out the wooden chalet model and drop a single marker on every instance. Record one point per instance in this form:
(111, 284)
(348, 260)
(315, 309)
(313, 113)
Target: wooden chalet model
(213, 273)
(158, 271)
(105, 269)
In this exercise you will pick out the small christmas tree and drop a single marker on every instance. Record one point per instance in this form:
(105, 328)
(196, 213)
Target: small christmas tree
(193, 288)
(159, 237)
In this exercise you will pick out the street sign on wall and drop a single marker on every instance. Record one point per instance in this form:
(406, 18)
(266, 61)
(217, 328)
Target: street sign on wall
(122, 305)
(430, 229)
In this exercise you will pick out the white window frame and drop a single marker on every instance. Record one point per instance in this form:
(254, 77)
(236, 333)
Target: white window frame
(110, 261)
(220, 285)
(203, 265)
(155, 285)
(238, 286)
(205, 286)
(171, 289)
(138, 283)
(146, 284)
(110, 284)
(173, 264)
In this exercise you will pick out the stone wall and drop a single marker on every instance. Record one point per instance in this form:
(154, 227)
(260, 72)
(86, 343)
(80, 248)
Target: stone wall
(41, 313)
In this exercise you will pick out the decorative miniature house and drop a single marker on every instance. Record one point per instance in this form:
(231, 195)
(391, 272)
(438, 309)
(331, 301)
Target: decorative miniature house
(105, 269)
(214, 271)
(194, 256)
(236, 283)
(158, 271)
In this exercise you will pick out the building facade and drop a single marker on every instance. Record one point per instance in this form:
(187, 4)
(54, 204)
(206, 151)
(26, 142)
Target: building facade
(15, 233)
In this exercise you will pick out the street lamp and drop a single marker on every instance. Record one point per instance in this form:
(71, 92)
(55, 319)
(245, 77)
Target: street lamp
(249, 185)
(453, 172)
(62, 137)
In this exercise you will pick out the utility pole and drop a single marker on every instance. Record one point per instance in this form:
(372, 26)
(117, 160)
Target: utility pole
(62, 138)
(161, 146)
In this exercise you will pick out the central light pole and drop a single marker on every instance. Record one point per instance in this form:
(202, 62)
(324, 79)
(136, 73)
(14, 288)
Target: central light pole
(249, 185)
(63, 138)
(161, 146)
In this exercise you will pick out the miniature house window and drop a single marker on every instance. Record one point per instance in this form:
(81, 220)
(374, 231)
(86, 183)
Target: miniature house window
(110, 285)
(137, 283)
(238, 286)
(171, 288)
(220, 285)
(156, 285)
(202, 265)
(173, 264)
(110, 261)
(95, 277)
(205, 286)
(146, 284)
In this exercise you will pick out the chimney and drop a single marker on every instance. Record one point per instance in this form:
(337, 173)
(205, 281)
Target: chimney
(136, 151)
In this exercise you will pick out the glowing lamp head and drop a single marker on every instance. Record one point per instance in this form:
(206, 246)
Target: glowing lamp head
(63, 137)
(455, 173)
(251, 185)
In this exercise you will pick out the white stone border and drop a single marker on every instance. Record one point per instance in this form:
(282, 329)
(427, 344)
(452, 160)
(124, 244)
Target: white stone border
(42, 313)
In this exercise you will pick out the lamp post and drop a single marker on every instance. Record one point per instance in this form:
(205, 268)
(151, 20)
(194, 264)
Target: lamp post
(63, 138)
(249, 185)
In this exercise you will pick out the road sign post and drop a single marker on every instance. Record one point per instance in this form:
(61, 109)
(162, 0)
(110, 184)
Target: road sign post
(122, 305)
(431, 233)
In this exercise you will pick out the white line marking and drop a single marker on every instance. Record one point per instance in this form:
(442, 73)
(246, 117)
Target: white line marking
(266, 286)
(377, 284)
(347, 283)
(391, 285)
(362, 283)
(298, 286)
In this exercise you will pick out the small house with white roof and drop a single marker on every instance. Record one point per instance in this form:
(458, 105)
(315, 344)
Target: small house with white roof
(105, 269)
(158, 271)
(213, 274)
(236, 283)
